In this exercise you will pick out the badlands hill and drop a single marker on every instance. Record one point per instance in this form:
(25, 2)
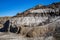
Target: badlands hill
(39, 21)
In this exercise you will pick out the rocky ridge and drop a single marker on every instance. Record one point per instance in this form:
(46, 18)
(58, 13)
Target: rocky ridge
(39, 21)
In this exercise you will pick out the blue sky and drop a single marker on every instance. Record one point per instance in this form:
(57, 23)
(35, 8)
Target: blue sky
(12, 7)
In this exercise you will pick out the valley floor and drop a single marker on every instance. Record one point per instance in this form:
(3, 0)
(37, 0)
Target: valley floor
(12, 36)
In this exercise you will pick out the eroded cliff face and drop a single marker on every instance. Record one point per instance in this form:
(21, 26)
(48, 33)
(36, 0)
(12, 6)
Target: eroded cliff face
(37, 22)
(35, 17)
(40, 21)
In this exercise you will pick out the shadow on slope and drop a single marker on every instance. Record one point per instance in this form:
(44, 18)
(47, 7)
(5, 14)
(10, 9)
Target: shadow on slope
(5, 28)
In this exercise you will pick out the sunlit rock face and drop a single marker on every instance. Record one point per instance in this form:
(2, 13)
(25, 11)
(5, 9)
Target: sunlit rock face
(47, 10)
(36, 16)
(29, 21)
(38, 22)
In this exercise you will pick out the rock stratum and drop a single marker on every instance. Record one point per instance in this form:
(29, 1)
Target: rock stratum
(38, 23)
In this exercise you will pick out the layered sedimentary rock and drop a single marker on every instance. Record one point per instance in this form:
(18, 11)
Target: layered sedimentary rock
(39, 21)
